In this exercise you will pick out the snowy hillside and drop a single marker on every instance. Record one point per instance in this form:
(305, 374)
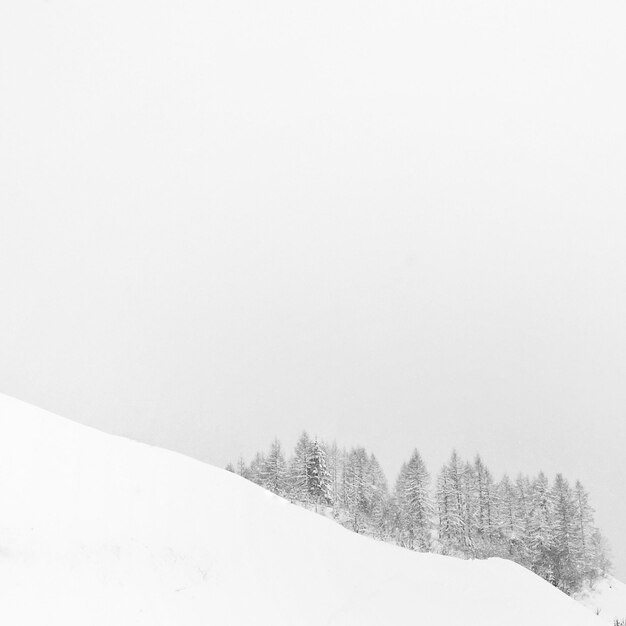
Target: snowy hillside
(607, 598)
(99, 530)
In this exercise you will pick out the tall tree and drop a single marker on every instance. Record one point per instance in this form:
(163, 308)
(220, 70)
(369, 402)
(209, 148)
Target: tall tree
(378, 498)
(356, 489)
(564, 555)
(318, 475)
(274, 470)
(334, 458)
(255, 471)
(453, 508)
(299, 469)
(486, 506)
(415, 507)
(540, 535)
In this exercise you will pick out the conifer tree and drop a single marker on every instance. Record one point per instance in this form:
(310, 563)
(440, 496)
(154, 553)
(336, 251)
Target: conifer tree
(334, 459)
(564, 557)
(486, 507)
(274, 470)
(415, 507)
(255, 471)
(299, 469)
(356, 489)
(540, 536)
(508, 523)
(242, 470)
(453, 508)
(378, 498)
(523, 504)
(318, 475)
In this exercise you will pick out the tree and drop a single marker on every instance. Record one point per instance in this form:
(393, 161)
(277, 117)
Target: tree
(334, 458)
(378, 498)
(540, 535)
(299, 469)
(453, 508)
(485, 520)
(274, 470)
(356, 489)
(415, 507)
(584, 547)
(255, 471)
(523, 505)
(318, 475)
(242, 470)
(564, 557)
(509, 527)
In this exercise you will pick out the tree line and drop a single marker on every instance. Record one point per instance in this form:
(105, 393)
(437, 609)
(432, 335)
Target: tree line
(546, 526)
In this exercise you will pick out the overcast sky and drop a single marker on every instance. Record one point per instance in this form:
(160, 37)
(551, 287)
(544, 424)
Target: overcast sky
(397, 224)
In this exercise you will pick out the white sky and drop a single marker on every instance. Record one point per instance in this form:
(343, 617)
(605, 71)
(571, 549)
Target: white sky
(396, 223)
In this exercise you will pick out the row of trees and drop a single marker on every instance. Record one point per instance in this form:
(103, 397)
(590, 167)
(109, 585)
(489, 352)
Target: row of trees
(547, 527)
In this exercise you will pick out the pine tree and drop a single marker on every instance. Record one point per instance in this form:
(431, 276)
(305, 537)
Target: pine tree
(255, 471)
(299, 470)
(318, 475)
(564, 557)
(378, 499)
(356, 489)
(486, 509)
(334, 459)
(230, 468)
(540, 535)
(242, 470)
(453, 508)
(415, 507)
(584, 548)
(509, 526)
(274, 470)
(523, 505)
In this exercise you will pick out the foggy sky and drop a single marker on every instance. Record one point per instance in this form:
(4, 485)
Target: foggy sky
(394, 224)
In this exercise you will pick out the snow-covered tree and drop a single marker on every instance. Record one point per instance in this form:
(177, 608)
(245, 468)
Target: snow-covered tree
(453, 507)
(415, 506)
(334, 458)
(378, 499)
(274, 470)
(584, 547)
(485, 529)
(242, 469)
(540, 533)
(299, 469)
(357, 488)
(564, 557)
(255, 471)
(509, 526)
(318, 474)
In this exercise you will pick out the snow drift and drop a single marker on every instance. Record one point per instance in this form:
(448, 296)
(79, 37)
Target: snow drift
(606, 598)
(98, 530)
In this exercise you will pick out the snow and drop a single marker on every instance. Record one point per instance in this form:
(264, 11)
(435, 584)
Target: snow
(606, 598)
(99, 530)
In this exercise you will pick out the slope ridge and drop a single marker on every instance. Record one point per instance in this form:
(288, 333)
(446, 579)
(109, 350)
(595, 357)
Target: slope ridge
(101, 530)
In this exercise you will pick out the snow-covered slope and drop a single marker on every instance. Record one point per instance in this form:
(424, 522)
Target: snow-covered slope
(99, 530)
(606, 598)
